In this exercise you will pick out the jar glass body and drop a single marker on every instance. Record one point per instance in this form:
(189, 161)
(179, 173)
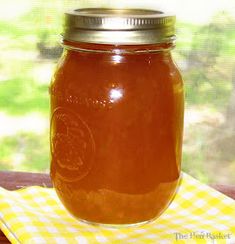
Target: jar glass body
(116, 131)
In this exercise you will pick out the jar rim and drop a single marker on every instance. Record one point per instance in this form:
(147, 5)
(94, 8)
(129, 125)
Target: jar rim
(116, 49)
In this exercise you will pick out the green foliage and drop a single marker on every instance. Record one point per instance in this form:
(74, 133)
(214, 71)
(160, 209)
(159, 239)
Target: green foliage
(194, 153)
(200, 90)
(25, 152)
(22, 95)
(44, 23)
(193, 164)
(209, 61)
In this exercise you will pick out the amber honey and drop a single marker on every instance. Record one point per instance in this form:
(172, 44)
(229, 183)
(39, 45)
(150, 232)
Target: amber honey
(116, 129)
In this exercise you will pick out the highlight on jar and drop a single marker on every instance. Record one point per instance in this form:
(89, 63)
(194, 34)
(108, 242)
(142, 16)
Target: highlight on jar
(117, 109)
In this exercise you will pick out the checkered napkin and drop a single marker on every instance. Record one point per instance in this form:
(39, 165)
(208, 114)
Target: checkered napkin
(198, 214)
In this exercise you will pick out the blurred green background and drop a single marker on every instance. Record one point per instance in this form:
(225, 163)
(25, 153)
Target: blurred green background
(205, 53)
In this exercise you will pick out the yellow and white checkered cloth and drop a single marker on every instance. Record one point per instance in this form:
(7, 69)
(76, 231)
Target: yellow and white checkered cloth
(198, 214)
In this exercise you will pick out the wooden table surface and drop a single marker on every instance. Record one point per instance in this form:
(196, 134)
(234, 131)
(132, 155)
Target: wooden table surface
(17, 180)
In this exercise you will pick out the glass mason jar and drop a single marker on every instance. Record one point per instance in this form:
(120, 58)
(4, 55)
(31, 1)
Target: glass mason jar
(117, 106)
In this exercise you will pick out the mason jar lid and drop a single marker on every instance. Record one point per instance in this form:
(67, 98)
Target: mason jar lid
(119, 26)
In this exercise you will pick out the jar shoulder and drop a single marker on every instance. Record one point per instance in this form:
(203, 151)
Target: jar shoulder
(76, 67)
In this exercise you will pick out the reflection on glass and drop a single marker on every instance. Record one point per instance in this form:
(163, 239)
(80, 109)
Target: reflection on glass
(115, 94)
(117, 59)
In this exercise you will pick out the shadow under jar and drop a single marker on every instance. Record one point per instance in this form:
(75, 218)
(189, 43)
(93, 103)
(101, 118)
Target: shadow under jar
(117, 107)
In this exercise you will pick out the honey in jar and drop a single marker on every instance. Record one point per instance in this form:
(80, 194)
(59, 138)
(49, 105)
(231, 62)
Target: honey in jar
(117, 107)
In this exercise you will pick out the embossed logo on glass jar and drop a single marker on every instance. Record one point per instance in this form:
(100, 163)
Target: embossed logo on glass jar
(72, 145)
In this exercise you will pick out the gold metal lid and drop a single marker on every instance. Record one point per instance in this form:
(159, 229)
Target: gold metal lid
(119, 26)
